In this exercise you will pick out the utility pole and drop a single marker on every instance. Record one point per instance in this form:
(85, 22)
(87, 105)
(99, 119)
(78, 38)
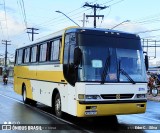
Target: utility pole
(6, 43)
(84, 20)
(95, 7)
(84, 16)
(32, 32)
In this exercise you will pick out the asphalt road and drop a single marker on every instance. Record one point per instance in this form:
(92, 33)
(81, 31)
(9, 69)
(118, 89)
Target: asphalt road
(13, 110)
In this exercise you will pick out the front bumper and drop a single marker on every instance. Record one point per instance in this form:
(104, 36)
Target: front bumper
(113, 107)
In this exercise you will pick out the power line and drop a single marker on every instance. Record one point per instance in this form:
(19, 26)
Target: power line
(51, 20)
(58, 19)
(150, 36)
(24, 14)
(147, 31)
(149, 17)
(1, 29)
(6, 18)
(21, 12)
(117, 2)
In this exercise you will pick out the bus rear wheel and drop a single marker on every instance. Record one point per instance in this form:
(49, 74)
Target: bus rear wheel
(57, 105)
(24, 95)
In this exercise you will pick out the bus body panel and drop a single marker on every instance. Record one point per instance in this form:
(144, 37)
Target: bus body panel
(22, 77)
(111, 88)
(72, 101)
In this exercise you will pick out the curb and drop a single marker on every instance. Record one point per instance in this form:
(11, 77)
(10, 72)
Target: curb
(157, 98)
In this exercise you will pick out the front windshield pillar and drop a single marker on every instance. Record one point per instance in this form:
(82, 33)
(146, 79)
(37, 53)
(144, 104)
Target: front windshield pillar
(69, 70)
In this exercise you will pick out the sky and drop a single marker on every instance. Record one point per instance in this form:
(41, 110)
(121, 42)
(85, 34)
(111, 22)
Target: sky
(18, 15)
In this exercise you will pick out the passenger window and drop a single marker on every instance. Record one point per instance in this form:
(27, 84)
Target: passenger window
(43, 52)
(20, 55)
(55, 50)
(34, 54)
(26, 55)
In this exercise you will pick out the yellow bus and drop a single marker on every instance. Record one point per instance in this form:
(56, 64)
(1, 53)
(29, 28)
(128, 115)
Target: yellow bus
(84, 72)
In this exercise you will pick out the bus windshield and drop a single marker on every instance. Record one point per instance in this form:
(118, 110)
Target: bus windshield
(104, 61)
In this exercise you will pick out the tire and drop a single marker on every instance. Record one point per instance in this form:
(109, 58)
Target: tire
(24, 95)
(154, 92)
(5, 82)
(57, 106)
(32, 102)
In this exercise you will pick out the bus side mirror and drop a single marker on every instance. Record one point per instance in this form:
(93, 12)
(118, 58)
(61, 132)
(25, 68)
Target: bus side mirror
(77, 56)
(146, 62)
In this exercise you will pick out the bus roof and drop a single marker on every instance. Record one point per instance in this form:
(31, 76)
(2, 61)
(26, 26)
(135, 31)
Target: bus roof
(103, 31)
(99, 31)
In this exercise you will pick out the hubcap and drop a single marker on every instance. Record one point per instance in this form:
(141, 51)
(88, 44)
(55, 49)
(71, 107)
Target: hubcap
(58, 106)
(24, 95)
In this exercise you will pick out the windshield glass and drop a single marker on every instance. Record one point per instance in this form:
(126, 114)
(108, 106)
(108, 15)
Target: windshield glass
(131, 62)
(103, 63)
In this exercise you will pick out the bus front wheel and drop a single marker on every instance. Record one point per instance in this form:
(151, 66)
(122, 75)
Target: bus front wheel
(57, 105)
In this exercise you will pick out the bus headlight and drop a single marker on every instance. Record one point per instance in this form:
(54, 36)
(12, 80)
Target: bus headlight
(82, 96)
(141, 95)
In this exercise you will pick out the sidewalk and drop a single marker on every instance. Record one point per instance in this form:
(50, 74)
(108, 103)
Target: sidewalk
(150, 97)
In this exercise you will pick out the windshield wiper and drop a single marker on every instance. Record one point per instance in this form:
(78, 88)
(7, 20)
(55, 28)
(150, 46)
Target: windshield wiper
(127, 75)
(105, 70)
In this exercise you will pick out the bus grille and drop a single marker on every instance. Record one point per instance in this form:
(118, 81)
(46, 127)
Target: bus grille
(117, 96)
